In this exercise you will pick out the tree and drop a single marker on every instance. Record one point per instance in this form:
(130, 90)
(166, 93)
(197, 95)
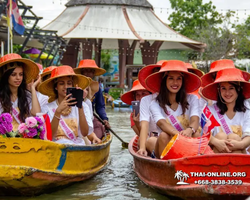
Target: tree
(220, 40)
(191, 15)
(243, 39)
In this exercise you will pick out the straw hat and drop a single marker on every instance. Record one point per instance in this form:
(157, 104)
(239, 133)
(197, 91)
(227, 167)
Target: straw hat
(47, 71)
(215, 67)
(146, 71)
(47, 87)
(194, 70)
(89, 64)
(227, 75)
(30, 68)
(192, 81)
(129, 96)
(93, 88)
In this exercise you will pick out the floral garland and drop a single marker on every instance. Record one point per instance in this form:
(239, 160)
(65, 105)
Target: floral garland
(6, 128)
(32, 128)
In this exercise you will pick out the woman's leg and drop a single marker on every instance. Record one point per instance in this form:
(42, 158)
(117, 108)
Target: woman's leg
(150, 144)
(220, 136)
(161, 143)
(233, 136)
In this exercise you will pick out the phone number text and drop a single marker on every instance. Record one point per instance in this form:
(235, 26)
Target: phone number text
(218, 182)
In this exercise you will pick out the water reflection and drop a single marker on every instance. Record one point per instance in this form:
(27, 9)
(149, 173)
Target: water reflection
(117, 180)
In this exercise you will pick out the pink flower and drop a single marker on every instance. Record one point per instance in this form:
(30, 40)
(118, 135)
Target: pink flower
(22, 127)
(32, 132)
(31, 122)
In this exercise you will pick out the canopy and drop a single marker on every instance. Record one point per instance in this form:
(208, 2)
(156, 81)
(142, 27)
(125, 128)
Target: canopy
(115, 20)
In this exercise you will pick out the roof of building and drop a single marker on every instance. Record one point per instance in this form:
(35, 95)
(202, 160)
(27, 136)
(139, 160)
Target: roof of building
(112, 22)
(139, 3)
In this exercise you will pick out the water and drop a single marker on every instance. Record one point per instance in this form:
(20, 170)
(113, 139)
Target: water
(117, 181)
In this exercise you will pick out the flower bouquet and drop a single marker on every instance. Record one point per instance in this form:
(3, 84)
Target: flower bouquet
(32, 128)
(6, 128)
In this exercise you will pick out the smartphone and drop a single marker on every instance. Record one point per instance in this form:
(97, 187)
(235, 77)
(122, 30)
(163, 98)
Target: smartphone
(136, 107)
(77, 94)
(71, 90)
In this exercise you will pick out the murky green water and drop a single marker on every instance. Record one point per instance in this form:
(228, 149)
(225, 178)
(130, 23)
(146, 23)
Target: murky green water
(117, 181)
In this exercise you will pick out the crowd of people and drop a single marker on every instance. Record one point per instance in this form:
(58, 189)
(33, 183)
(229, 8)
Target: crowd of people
(24, 92)
(173, 95)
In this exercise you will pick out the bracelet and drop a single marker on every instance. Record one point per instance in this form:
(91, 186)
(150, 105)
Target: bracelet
(57, 117)
(193, 131)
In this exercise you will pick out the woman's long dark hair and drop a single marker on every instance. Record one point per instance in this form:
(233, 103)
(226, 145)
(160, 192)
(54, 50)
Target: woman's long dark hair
(163, 96)
(239, 104)
(23, 99)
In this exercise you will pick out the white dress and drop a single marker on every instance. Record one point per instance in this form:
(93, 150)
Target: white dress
(72, 121)
(42, 99)
(145, 114)
(15, 123)
(193, 110)
(239, 124)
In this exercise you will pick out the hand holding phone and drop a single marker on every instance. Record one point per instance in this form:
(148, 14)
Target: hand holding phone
(136, 107)
(77, 94)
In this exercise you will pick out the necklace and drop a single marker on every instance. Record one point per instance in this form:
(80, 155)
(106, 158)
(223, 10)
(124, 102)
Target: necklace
(174, 106)
(67, 111)
(13, 98)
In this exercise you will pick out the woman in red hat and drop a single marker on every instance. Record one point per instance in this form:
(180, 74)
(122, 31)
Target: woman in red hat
(135, 94)
(230, 91)
(173, 110)
(148, 126)
(88, 67)
(16, 72)
(68, 123)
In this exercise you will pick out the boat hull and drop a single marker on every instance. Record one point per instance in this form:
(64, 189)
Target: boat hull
(30, 167)
(160, 174)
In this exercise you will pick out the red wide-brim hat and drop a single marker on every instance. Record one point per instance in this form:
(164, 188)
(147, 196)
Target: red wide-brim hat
(194, 70)
(217, 66)
(47, 87)
(227, 75)
(30, 68)
(89, 64)
(146, 71)
(47, 71)
(128, 97)
(191, 81)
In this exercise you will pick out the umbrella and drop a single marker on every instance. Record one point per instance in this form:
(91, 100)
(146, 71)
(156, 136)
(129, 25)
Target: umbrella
(43, 56)
(32, 51)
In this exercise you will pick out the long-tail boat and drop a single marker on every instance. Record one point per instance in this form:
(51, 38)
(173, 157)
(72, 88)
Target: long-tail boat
(32, 166)
(212, 176)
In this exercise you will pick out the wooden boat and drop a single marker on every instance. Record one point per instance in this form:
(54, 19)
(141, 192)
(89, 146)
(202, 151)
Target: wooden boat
(32, 166)
(162, 175)
(118, 103)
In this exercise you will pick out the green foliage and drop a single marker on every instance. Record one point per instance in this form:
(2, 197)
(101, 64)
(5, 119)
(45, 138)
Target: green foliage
(219, 40)
(243, 39)
(105, 60)
(191, 15)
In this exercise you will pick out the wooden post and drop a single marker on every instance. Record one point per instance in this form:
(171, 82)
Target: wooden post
(150, 52)
(70, 56)
(87, 50)
(122, 61)
(98, 51)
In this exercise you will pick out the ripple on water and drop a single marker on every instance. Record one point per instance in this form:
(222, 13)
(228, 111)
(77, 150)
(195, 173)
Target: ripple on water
(118, 180)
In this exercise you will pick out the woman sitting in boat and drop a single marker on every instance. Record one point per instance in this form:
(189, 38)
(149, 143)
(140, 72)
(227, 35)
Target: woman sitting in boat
(16, 72)
(88, 94)
(68, 123)
(149, 131)
(173, 110)
(135, 94)
(230, 90)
